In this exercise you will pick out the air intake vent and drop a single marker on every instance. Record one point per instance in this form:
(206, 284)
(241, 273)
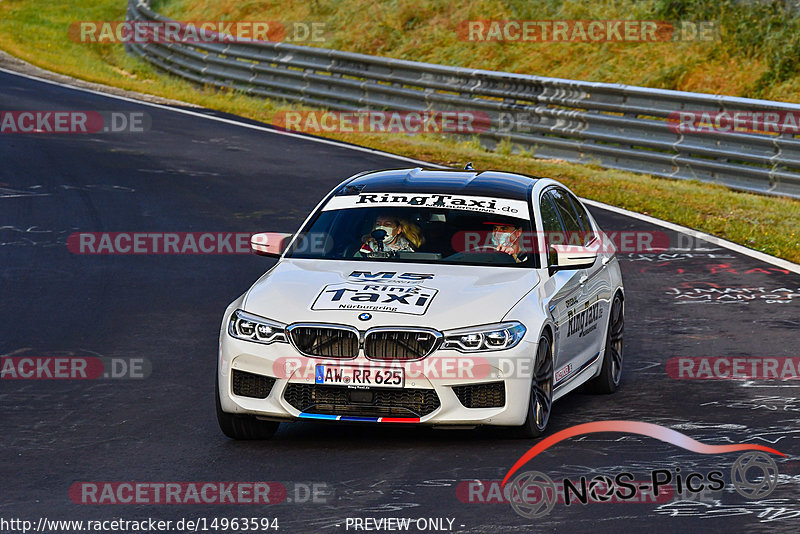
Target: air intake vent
(375, 402)
(252, 385)
(492, 395)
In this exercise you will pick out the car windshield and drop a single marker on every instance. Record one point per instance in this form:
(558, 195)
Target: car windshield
(419, 228)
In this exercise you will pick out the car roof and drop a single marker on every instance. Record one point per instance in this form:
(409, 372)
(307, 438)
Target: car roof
(457, 182)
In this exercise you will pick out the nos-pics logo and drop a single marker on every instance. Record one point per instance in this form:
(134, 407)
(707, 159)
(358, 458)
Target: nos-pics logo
(533, 494)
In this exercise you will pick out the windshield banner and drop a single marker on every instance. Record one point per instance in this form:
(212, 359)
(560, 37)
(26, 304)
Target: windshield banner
(494, 206)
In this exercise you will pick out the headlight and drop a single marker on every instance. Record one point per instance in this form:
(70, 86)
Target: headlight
(243, 325)
(482, 338)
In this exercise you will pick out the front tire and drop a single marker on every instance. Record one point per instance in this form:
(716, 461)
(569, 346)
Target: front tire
(611, 373)
(540, 402)
(242, 427)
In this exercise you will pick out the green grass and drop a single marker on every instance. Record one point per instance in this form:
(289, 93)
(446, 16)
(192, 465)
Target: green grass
(36, 30)
(756, 52)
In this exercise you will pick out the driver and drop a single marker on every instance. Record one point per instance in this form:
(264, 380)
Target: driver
(505, 238)
(390, 235)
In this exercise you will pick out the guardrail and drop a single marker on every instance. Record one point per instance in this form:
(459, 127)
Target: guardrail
(611, 125)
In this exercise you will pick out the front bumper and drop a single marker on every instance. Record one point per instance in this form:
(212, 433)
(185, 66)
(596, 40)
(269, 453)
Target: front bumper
(430, 395)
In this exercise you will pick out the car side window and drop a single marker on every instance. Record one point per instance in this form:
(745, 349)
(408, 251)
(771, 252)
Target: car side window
(551, 225)
(583, 217)
(569, 217)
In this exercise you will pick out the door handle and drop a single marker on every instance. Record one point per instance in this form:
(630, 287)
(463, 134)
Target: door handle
(583, 279)
(606, 259)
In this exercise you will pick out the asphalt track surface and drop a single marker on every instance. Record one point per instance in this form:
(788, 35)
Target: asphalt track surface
(192, 174)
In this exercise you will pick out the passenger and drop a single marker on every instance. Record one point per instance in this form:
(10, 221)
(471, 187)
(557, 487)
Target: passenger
(398, 235)
(505, 238)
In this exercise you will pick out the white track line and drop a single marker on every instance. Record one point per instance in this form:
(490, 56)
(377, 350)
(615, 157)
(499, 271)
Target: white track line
(223, 120)
(783, 264)
(778, 262)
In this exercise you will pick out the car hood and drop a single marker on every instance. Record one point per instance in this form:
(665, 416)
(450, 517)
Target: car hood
(425, 295)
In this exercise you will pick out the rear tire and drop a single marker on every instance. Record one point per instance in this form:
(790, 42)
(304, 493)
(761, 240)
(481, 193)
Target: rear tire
(611, 373)
(242, 427)
(540, 401)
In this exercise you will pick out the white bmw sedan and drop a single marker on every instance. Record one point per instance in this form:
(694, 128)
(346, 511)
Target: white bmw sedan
(420, 296)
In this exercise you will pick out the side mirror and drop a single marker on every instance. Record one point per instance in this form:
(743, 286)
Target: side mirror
(571, 257)
(270, 244)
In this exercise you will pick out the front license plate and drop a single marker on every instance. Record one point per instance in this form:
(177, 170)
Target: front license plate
(343, 375)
